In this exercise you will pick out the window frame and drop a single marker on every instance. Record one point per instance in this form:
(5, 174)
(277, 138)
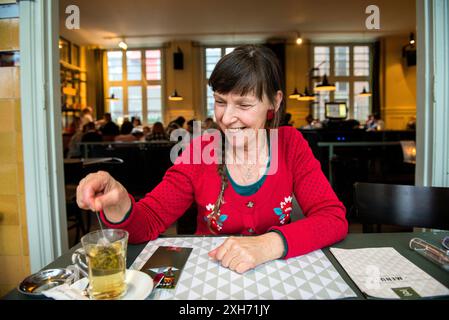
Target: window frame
(143, 83)
(204, 77)
(351, 79)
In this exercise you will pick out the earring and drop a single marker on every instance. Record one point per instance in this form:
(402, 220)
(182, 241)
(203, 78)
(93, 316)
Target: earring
(270, 114)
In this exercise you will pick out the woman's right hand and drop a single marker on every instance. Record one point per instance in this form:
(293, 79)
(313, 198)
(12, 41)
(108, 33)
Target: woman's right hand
(100, 191)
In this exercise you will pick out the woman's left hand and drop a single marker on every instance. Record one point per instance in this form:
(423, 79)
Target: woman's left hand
(241, 254)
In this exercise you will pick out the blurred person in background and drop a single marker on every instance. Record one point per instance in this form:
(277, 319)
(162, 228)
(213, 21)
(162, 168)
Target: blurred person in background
(157, 133)
(126, 132)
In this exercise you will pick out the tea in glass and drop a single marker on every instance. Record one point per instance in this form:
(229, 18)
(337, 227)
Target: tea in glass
(106, 262)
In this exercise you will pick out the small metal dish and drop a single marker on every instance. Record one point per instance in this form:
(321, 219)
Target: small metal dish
(44, 280)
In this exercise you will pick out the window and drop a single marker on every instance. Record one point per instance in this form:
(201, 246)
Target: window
(116, 106)
(361, 61)
(212, 55)
(322, 60)
(75, 55)
(135, 79)
(361, 104)
(341, 58)
(153, 64)
(64, 47)
(341, 93)
(349, 67)
(135, 101)
(133, 65)
(115, 69)
(154, 102)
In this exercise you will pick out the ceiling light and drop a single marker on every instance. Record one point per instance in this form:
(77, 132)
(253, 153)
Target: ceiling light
(123, 45)
(412, 38)
(175, 96)
(298, 39)
(365, 93)
(112, 97)
(294, 95)
(306, 96)
(325, 85)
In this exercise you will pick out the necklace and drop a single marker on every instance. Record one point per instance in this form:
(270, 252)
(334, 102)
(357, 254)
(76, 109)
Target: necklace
(250, 172)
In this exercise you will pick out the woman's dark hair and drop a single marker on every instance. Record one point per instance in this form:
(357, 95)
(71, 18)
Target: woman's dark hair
(158, 127)
(286, 119)
(248, 69)
(126, 128)
(180, 121)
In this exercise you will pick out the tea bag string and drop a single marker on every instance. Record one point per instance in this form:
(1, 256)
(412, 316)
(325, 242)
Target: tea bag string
(105, 240)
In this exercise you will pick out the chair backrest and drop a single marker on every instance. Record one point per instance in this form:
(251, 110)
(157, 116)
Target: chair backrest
(401, 205)
(73, 171)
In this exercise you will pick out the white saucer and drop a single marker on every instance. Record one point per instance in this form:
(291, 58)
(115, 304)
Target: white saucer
(139, 284)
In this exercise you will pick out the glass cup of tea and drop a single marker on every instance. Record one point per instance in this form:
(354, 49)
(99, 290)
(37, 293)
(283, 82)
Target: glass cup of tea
(105, 253)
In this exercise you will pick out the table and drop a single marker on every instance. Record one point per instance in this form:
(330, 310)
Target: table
(399, 241)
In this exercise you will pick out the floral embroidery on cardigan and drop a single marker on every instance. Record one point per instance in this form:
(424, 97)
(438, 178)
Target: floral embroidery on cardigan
(283, 212)
(215, 221)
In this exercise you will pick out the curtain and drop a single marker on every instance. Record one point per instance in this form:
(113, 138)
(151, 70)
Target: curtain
(376, 79)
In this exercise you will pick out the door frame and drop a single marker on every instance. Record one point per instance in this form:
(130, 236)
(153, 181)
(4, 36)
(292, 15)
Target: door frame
(42, 132)
(432, 113)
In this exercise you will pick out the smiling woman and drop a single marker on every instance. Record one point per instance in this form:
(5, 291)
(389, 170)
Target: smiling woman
(251, 76)
(248, 104)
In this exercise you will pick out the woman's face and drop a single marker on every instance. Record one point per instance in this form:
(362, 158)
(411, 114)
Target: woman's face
(241, 116)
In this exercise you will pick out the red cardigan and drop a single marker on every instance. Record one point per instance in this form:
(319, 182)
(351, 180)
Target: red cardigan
(298, 173)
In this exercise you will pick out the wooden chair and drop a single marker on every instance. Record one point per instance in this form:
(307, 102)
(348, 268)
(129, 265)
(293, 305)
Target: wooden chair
(401, 205)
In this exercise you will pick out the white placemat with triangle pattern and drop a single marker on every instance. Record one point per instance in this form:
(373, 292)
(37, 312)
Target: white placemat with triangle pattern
(310, 276)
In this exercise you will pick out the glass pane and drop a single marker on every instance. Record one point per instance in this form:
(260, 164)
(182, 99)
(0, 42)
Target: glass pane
(135, 101)
(316, 110)
(64, 50)
(75, 55)
(213, 55)
(229, 50)
(116, 106)
(115, 68)
(341, 58)
(321, 60)
(153, 64)
(361, 104)
(134, 65)
(210, 102)
(361, 61)
(341, 94)
(154, 101)
(322, 98)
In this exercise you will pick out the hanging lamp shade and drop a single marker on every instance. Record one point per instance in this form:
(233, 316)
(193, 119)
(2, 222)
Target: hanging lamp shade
(365, 93)
(325, 85)
(295, 94)
(112, 97)
(175, 96)
(306, 95)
